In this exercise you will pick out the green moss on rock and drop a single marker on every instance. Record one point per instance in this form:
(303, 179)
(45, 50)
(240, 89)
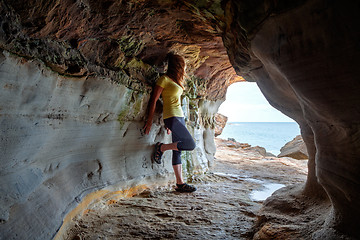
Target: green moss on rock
(141, 71)
(196, 87)
(133, 108)
(188, 163)
(130, 45)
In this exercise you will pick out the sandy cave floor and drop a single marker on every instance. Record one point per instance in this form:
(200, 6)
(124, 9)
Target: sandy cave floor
(225, 205)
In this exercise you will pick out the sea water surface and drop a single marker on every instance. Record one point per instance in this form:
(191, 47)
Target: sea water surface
(270, 135)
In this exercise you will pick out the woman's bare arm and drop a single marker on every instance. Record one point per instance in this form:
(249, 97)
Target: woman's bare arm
(152, 104)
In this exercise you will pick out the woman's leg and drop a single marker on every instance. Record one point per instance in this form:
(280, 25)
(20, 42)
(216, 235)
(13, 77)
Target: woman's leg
(170, 146)
(178, 174)
(179, 134)
(178, 167)
(181, 138)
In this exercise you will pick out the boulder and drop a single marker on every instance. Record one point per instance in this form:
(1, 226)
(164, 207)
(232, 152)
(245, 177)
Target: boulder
(296, 148)
(258, 149)
(220, 122)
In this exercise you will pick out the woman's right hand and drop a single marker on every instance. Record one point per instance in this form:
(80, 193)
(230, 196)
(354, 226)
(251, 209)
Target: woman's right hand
(147, 127)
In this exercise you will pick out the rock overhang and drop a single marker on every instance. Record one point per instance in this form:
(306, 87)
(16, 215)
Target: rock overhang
(123, 39)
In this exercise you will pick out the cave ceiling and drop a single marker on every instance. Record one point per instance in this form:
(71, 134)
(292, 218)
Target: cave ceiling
(82, 38)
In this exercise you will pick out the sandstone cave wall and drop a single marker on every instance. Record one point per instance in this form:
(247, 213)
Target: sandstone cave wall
(63, 138)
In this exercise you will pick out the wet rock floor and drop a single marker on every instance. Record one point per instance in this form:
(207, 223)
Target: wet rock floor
(225, 205)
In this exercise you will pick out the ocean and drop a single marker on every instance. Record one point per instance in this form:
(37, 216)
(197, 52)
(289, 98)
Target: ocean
(270, 135)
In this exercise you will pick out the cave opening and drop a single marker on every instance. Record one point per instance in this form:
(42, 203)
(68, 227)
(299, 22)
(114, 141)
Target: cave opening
(251, 119)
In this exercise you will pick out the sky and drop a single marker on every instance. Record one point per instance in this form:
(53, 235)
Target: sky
(245, 103)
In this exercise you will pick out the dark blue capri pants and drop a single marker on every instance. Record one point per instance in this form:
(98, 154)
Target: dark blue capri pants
(181, 135)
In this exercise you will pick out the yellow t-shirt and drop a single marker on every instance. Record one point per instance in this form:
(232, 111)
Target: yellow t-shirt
(171, 97)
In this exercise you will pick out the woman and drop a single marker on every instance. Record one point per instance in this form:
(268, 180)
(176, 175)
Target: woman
(170, 87)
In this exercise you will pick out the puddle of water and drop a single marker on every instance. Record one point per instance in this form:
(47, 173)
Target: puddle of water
(237, 176)
(257, 195)
(254, 180)
(227, 175)
(269, 188)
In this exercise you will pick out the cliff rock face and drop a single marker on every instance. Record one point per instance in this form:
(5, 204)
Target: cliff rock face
(76, 77)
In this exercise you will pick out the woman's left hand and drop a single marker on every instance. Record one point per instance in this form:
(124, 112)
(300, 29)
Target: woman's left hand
(168, 130)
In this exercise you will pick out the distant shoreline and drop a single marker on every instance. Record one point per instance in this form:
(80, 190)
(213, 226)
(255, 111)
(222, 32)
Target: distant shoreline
(270, 135)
